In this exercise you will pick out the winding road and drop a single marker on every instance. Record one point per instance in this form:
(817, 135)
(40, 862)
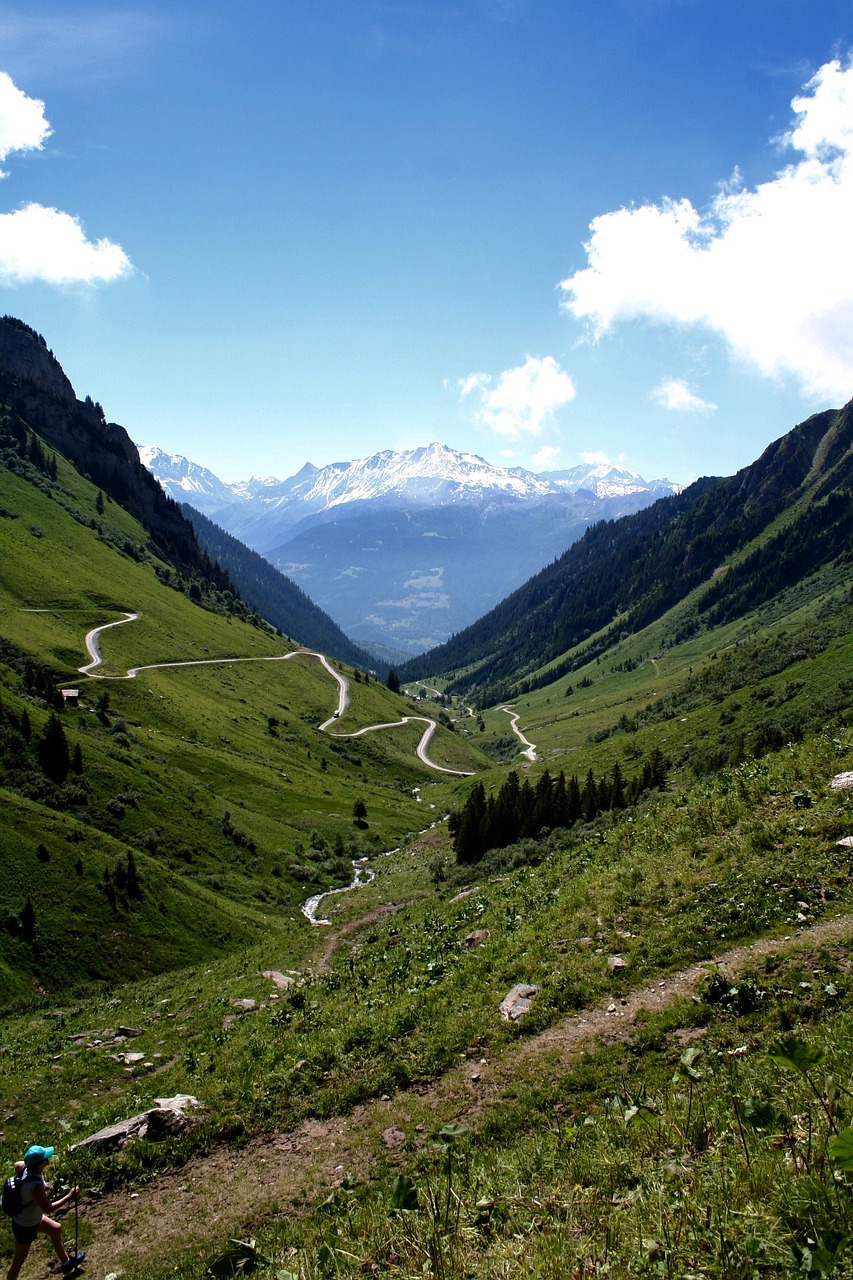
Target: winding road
(93, 648)
(530, 751)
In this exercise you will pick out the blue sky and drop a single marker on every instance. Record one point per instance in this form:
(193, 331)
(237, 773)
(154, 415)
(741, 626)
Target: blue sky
(274, 231)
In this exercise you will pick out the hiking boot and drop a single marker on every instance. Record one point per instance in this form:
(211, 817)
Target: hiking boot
(71, 1265)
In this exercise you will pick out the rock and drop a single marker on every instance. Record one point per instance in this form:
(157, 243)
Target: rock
(517, 1001)
(116, 1135)
(278, 979)
(180, 1102)
(846, 842)
(842, 782)
(476, 939)
(159, 1122)
(130, 1059)
(128, 1032)
(615, 963)
(465, 893)
(393, 1138)
(244, 1003)
(166, 1122)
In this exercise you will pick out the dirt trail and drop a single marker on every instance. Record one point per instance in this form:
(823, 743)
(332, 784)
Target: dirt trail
(227, 1191)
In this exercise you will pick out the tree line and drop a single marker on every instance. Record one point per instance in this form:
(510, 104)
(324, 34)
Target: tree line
(524, 809)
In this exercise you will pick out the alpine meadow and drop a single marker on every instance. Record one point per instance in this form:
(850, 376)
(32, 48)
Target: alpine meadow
(585, 1006)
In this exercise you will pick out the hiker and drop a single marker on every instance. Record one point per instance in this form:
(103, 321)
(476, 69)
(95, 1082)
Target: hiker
(35, 1210)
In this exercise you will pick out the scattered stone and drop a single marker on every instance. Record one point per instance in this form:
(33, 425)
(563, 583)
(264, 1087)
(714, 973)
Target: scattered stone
(244, 1003)
(611, 1008)
(466, 893)
(474, 1076)
(517, 1001)
(129, 1059)
(842, 782)
(584, 942)
(615, 963)
(280, 980)
(846, 842)
(128, 1032)
(393, 1138)
(476, 939)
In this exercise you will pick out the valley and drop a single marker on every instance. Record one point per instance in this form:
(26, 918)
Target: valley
(673, 1098)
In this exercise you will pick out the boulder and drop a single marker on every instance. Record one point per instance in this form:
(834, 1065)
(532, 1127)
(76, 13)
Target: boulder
(157, 1123)
(517, 1001)
(615, 963)
(842, 782)
(476, 939)
(278, 979)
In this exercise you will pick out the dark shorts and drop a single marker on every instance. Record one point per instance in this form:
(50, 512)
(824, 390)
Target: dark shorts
(24, 1235)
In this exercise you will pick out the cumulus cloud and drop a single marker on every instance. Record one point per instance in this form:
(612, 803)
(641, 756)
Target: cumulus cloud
(39, 243)
(521, 400)
(593, 458)
(23, 126)
(674, 393)
(44, 244)
(546, 456)
(769, 268)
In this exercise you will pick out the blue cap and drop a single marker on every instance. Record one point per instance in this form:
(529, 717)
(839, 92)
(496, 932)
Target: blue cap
(36, 1155)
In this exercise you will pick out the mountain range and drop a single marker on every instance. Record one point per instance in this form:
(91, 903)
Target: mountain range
(400, 547)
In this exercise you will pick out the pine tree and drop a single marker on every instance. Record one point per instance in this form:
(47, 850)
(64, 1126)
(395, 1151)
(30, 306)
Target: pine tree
(53, 750)
(28, 921)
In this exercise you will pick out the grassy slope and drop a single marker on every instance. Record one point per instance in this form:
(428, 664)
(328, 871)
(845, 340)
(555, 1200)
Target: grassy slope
(191, 744)
(730, 856)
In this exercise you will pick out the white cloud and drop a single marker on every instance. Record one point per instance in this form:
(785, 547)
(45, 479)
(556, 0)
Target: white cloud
(593, 459)
(522, 399)
(770, 269)
(474, 382)
(43, 244)
(673, 393)
(546, 456)
(23, 126)
(38, 243)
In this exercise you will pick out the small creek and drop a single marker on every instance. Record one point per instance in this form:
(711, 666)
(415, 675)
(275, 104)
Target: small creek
(362, 874)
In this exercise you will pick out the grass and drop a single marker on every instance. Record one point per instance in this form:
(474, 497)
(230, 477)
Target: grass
(630, 1160)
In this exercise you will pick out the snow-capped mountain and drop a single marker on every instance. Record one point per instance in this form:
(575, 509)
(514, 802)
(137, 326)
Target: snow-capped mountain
(185, 481)
(606, 481)
(403, 548)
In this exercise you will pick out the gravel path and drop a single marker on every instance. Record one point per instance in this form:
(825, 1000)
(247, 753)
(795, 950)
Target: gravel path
(230, 1191)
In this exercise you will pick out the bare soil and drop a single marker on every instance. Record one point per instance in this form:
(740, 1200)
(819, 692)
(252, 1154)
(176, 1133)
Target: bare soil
(227, 1191)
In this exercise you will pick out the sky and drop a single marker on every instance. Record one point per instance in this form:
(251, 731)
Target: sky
(265, 232)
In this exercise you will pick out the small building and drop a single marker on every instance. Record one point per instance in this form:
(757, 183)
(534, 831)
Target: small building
(70, 697)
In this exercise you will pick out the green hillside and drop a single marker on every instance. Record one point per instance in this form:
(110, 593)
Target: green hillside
(212, 779)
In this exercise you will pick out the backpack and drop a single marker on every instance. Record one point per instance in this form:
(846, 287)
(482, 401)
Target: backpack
(10, 1202)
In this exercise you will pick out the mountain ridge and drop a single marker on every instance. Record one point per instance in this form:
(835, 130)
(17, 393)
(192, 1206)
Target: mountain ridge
(398, 547)
(628, 572)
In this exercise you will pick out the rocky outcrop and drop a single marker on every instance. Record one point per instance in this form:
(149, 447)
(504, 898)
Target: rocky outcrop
(165, 1120)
